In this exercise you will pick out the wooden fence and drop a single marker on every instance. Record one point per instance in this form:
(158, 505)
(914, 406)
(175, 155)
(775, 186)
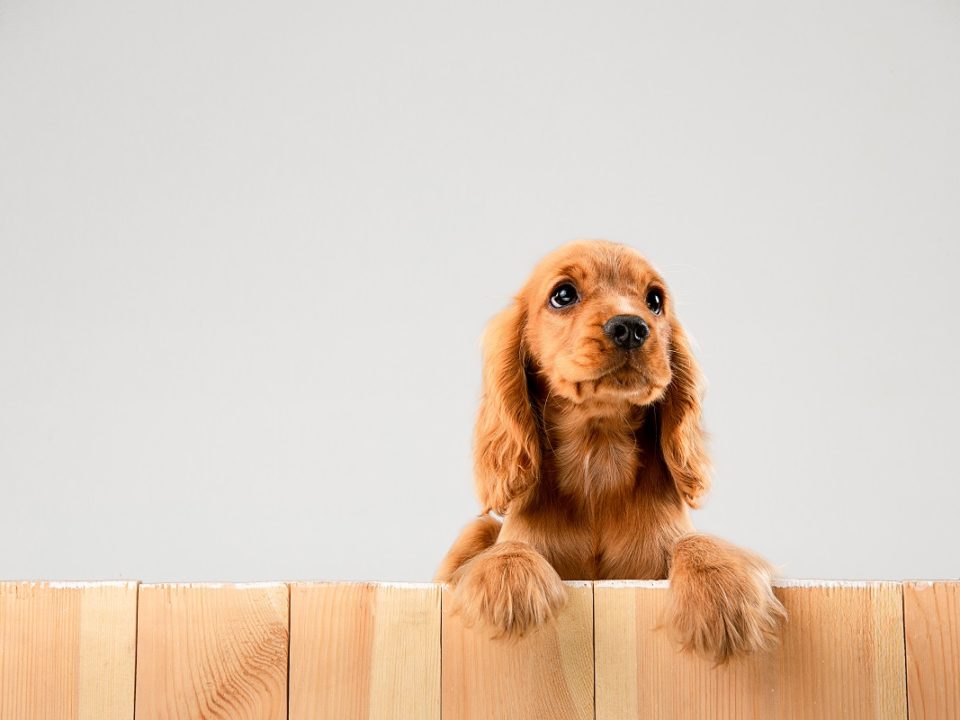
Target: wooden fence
(347, 651)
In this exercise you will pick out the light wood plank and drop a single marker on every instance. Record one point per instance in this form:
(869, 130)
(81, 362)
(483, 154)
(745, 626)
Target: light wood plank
(932, 630)
(212, 652)
(546, 675)
(364, 651)
(841, 656)
(67, 650)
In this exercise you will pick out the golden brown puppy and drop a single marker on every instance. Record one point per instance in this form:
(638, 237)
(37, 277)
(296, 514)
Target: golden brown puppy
(589, 443)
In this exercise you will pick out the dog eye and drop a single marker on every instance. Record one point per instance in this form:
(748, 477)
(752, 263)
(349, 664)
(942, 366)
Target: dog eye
(655, 301)
(563, 295)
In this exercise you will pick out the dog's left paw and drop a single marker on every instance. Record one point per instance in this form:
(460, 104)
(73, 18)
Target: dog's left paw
(721, 601)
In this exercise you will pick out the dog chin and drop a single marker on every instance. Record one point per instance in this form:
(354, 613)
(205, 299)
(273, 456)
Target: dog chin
(638, 394)
(648, 395)
(633, 388)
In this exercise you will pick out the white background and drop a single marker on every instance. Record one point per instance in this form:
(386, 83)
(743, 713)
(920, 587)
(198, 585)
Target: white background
(247, 252)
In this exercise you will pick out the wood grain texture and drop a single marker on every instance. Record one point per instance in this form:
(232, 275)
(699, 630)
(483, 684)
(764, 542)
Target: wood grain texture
(841, 656)
(547, 675)
(364, 651)
(67, 650)
(932, 631)
(212, 652)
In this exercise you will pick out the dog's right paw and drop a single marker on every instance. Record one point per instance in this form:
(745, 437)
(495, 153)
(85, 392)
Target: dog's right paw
(509, 588)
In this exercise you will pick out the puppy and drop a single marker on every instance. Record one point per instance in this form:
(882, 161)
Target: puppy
(589, 443)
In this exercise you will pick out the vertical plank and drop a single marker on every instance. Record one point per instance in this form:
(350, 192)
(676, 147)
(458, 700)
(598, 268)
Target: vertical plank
(364, 651)
(932, 629)
(841, 656)
(212, 651)
(546, 675)
(67, 650)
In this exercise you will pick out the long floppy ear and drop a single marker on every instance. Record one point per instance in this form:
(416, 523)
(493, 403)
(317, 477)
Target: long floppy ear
(506, 441)
(682, 438)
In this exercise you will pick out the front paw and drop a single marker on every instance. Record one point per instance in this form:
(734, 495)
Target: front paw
(509, 588)
(722, 604)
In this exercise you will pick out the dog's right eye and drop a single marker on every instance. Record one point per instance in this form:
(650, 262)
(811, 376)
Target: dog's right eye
(563, 295)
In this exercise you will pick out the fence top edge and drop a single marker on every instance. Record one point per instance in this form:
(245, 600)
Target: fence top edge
(266, 585)
(927, 584)
(70, 584)
(777, 582)
(306, 584)
(649, 584)
(820, 583)
(652, 584)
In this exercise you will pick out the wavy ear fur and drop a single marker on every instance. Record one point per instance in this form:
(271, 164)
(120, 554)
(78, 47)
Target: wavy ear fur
(506, 440)
(682, 438)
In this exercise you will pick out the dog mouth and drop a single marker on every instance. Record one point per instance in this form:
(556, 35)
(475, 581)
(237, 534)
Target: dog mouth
(624, 383)
(624, 380)
(627, 381)
(621, 378)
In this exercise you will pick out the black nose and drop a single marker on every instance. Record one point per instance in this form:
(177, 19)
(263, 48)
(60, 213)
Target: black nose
(626, 331)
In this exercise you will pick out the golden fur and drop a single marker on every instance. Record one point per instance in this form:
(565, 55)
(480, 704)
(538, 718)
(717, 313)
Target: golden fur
(593, 454)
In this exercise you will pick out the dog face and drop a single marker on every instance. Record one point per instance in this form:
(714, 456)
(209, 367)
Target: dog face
(594, 327)
(598, 325)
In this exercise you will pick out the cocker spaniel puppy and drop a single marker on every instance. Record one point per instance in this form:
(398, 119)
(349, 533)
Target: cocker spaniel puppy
(589, 444)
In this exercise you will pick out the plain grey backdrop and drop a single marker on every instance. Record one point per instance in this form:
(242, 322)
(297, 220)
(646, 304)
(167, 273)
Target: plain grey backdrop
(247, 251)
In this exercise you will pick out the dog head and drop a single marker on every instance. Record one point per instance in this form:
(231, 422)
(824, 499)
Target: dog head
(594, 325)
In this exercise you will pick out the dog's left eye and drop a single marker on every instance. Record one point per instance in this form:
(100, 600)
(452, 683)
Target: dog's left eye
(563, 295)
(655, 301)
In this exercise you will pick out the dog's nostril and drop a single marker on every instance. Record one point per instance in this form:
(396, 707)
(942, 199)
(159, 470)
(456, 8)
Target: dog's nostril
(627, 331)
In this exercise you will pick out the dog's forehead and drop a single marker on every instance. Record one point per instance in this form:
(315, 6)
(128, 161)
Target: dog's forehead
(601, 263)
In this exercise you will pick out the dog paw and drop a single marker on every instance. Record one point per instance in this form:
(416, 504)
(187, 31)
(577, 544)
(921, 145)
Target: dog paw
(722, 604)
(509, 589)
